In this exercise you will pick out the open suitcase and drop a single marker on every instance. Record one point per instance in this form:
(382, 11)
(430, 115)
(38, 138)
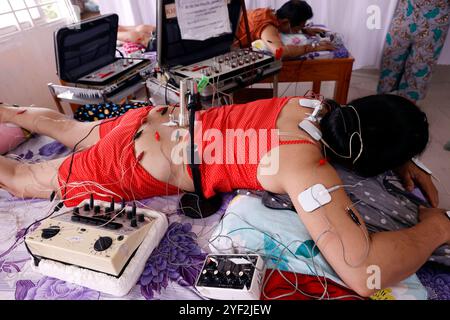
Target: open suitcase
(86, 57)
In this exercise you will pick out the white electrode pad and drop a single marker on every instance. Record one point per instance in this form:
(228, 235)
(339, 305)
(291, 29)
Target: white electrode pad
(314, 198)
(311, 129)
(420, 164)
(309, 103)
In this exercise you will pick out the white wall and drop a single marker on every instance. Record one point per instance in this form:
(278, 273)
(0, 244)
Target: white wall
(27, 64)
(131, 12)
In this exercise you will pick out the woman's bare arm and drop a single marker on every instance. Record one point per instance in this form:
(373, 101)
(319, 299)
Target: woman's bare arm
(344, 244)
(271, 36)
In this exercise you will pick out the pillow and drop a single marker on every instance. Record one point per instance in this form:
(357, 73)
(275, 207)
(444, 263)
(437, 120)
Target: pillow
(298, 39)
(11, 137)
(281, 237)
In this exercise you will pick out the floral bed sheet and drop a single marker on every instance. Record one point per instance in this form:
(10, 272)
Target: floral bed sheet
(170, 271)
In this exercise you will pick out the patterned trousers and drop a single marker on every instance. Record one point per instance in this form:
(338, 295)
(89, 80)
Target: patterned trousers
(413, 44)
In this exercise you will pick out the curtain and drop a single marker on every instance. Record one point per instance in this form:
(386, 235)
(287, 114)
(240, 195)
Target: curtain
(346, 17)
(131, 12)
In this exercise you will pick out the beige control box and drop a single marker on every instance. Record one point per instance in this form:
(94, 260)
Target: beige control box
(96, 237)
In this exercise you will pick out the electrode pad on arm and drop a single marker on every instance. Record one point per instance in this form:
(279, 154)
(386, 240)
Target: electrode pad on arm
(314, 198)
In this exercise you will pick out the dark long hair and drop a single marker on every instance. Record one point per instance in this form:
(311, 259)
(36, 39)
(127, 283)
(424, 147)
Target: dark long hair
(393, 130)
(296, 11)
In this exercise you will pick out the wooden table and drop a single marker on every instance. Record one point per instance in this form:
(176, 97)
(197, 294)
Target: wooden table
(316, 71)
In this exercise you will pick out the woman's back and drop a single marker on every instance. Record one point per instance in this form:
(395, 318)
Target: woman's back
(236, 138)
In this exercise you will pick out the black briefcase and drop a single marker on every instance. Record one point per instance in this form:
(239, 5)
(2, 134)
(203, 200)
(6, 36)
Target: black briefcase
(86, 52)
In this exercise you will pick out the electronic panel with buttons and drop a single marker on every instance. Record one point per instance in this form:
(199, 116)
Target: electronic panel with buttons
(112, 71)
(216, 61)
(231, 277)
(98, 236)
(230, 71)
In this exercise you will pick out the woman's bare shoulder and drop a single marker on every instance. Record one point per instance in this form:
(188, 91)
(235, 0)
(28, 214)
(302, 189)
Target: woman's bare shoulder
(288, 162)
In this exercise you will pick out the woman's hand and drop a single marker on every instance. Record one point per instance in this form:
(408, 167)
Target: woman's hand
(439, 216)
(323, 46)
(412, 176)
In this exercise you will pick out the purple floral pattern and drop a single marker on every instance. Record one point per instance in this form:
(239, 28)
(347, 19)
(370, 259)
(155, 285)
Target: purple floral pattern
(436, 278)
(177, 258)
(7, 266)
(53, 289)
(11, 266)
(51, 149)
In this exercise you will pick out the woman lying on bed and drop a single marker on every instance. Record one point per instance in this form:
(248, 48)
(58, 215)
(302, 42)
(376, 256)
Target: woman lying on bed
(136, 156)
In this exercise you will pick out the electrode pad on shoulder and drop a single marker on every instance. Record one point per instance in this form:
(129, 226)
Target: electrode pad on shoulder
(313, 198)
(309, 103)
(311, 129)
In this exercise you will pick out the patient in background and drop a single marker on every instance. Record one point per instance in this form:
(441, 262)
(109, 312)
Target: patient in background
(267, 24)
(264, 23)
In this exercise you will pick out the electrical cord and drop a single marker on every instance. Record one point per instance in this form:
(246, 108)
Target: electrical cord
(121, 54)
(279, 259)
(56, 209)
(74, 151)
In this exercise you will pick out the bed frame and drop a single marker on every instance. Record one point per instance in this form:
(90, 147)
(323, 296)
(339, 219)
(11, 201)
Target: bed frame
(316, 71)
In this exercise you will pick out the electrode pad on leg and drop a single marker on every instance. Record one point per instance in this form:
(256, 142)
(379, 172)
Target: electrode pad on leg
(314, 198)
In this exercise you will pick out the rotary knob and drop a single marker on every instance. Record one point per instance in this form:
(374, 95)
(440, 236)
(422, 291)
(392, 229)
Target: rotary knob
(49, 233)
(102, 244)
(230, 277)
(243, 279)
